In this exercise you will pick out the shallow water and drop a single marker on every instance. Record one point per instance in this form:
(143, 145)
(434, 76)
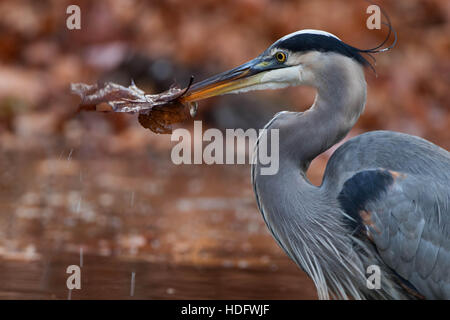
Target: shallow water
(110, 278)
(187, 232)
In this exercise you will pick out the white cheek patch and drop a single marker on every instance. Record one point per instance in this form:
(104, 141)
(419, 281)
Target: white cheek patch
(289, 76)
(276, 79)
(262, 86)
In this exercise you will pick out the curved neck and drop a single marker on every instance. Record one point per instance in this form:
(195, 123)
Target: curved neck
(291, 206)
(306, 220)
(340, 100)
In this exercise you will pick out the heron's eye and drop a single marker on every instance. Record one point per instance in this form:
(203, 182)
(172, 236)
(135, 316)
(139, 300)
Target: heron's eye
(280, 56)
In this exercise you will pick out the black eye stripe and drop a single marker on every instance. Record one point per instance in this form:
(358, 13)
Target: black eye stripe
(317, 42)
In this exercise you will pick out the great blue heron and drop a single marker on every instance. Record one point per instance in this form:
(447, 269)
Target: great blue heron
(385, 196)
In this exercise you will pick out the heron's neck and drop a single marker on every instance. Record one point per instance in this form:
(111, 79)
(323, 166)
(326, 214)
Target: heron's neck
(292, 207)
(340, 100)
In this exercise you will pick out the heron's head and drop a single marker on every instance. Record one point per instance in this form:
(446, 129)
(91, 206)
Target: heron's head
(295, 59)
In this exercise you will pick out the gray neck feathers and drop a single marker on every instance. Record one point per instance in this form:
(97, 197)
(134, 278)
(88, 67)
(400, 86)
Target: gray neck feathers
(340, 100)
(305, 221)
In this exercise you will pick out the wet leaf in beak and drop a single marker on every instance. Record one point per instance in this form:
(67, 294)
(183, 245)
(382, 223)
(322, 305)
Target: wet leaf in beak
(157, 112)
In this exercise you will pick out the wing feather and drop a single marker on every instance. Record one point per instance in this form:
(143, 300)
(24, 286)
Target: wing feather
(408, 219)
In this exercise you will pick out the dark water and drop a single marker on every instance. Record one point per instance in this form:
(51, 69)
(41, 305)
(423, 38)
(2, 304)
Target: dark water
(110, 278)
(186, 232)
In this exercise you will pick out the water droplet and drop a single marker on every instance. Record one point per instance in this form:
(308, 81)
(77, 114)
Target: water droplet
(193, 107)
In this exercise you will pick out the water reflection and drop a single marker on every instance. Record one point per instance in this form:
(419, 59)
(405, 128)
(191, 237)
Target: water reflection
(186, 231)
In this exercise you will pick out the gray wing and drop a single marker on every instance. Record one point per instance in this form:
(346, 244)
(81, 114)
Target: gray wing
(407, 217)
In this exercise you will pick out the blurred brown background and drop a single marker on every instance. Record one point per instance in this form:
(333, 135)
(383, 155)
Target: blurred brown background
(103, 184)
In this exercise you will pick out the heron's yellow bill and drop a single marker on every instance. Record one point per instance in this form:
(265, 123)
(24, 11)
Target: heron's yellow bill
(244, 76)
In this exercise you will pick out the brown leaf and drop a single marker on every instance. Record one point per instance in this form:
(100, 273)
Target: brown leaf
(161, 118)
(157, 112)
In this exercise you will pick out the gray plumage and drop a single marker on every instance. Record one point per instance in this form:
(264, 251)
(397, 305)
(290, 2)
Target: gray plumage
(385, 196)
(311, 225)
